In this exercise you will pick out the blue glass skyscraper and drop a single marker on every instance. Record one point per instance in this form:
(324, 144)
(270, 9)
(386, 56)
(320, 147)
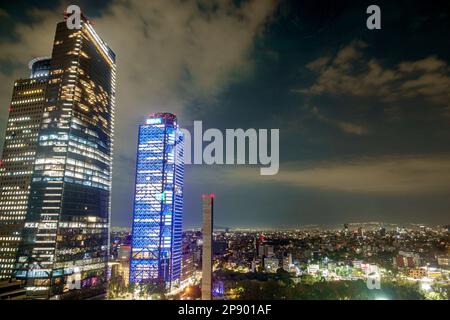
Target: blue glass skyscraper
(158, 202)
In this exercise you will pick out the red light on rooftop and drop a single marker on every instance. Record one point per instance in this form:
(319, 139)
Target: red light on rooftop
(212, 195)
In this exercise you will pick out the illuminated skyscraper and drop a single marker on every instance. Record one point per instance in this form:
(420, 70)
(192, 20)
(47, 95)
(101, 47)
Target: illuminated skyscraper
(158, 202)
(16, 167)
(64, 250)
(207, 230)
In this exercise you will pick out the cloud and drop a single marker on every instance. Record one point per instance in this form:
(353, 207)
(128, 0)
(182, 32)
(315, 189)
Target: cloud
(35, 39)
(384, 175)
(168, 52)
(318, 64)
(350, 72)
(3, 13)
(344, 126)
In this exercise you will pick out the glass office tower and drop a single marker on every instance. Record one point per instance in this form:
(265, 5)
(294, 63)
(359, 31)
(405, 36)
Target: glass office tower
(64, 250)
(16, 166)
(158, 202)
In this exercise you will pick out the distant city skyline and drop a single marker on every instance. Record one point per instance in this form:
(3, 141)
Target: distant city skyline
(363, 114)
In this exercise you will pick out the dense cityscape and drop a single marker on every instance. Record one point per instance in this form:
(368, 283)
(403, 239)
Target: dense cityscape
(57, 240)
(311, 263)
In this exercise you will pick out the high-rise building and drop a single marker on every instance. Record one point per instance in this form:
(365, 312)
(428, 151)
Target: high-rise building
(261, 250)
(207, 230)
(158, 202)
(187, 266)
(16, 166)
(268, 251)
(120, 267)
(287, 262)
(64, 248)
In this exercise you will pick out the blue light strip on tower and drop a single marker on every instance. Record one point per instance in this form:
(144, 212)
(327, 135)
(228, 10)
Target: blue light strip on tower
(158, 202)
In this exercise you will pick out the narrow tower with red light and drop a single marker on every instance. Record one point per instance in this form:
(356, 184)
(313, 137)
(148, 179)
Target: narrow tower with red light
(207, 233)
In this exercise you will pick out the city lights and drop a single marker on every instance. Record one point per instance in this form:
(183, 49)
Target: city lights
(264, 155)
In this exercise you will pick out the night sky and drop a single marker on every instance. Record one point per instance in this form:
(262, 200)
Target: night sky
(363, 114)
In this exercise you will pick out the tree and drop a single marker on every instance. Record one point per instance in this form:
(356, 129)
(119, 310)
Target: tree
(283, 276)
(155, 288)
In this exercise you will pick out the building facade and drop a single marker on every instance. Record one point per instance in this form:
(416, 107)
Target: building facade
(187, 267)
(16, 166)
(158, 202)
(64, 249)
(287, 262)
